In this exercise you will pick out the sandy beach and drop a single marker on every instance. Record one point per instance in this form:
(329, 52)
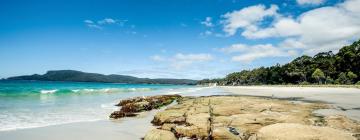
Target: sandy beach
(126, 128)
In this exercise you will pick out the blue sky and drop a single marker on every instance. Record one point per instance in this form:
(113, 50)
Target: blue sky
(170, 39)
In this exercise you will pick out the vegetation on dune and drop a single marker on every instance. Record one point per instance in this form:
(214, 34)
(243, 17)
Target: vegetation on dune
(323, 68)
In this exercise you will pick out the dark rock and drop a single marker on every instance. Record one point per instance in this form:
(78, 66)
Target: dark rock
(120, 114)
(233, 130)
(130, 107)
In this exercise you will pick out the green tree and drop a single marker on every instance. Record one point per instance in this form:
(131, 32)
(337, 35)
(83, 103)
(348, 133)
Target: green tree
(318, 75)
(299, 70)
(358, 83)
(352, 76)
(325, 61)
(348, 58)
(342, 78)
(343, 66)
(329, 80)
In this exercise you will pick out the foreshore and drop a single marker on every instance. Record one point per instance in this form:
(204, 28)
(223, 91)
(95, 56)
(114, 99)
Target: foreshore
(252, 99)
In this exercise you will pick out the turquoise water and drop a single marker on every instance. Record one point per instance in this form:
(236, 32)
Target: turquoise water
(28, 104)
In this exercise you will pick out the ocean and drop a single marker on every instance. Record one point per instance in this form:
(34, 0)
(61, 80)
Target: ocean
(30, 104)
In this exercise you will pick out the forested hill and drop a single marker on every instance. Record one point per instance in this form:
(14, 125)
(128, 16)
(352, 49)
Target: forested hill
(78, 76)
(323, 68)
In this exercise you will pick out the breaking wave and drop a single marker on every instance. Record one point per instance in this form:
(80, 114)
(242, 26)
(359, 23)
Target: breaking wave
(90, 90)
(48, 91)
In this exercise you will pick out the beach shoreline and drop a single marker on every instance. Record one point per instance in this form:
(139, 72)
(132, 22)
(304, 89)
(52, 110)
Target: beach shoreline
(127, 128)
(137, 127)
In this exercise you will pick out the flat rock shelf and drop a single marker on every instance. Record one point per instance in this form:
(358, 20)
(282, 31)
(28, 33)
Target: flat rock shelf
(248, 118)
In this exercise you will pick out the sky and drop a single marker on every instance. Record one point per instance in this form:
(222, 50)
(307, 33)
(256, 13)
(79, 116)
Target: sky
(192, 39)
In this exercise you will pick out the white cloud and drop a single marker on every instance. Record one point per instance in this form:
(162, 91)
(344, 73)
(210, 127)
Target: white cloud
(310, 2)
(107, 21)
(247, 54)
(100, 24)
(291, 43)
(235, 48)
(89, 21)
(206, 33)
(154, 73)
(320, 29)
(157, 58)
(247, 18)
(207, 22)
(180, 60)
(198, 73)
(193, 57)
(94, 26)
(284, 26)
(352, 6)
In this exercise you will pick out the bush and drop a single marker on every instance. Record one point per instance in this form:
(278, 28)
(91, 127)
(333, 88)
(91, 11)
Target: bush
(304, 83)
(358, 83)
(329, 80)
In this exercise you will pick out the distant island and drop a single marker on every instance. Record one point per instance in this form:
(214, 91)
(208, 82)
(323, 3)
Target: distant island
(78, 76)
(323, 68)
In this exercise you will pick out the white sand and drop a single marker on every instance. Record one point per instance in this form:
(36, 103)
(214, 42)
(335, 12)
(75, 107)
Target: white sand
(123, 129)
(341, 98)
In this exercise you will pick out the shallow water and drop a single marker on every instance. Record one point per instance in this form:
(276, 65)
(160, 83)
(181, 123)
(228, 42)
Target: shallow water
(106, 129)
(29, 104)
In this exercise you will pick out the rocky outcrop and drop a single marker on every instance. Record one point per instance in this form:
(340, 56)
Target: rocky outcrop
(130, 107)
(249, 118)
(293, 131)
(158, 134)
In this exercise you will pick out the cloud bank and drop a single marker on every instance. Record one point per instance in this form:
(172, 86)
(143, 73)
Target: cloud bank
(320, 29)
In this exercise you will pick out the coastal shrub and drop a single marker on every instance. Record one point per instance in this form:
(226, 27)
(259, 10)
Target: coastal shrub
(337, 82)
(358, 83)
(343, 79)
(352, 76)
(319, 75)
(304, 83)
(329, 80)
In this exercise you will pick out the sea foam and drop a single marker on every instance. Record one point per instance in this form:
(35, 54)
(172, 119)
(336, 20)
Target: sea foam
(48, 91)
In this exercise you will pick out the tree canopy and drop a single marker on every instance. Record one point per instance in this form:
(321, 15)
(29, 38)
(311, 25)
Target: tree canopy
(318, 75)
(324, 67)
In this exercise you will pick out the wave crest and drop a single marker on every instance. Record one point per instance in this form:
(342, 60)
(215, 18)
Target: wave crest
(48, 91)
(90, 90)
